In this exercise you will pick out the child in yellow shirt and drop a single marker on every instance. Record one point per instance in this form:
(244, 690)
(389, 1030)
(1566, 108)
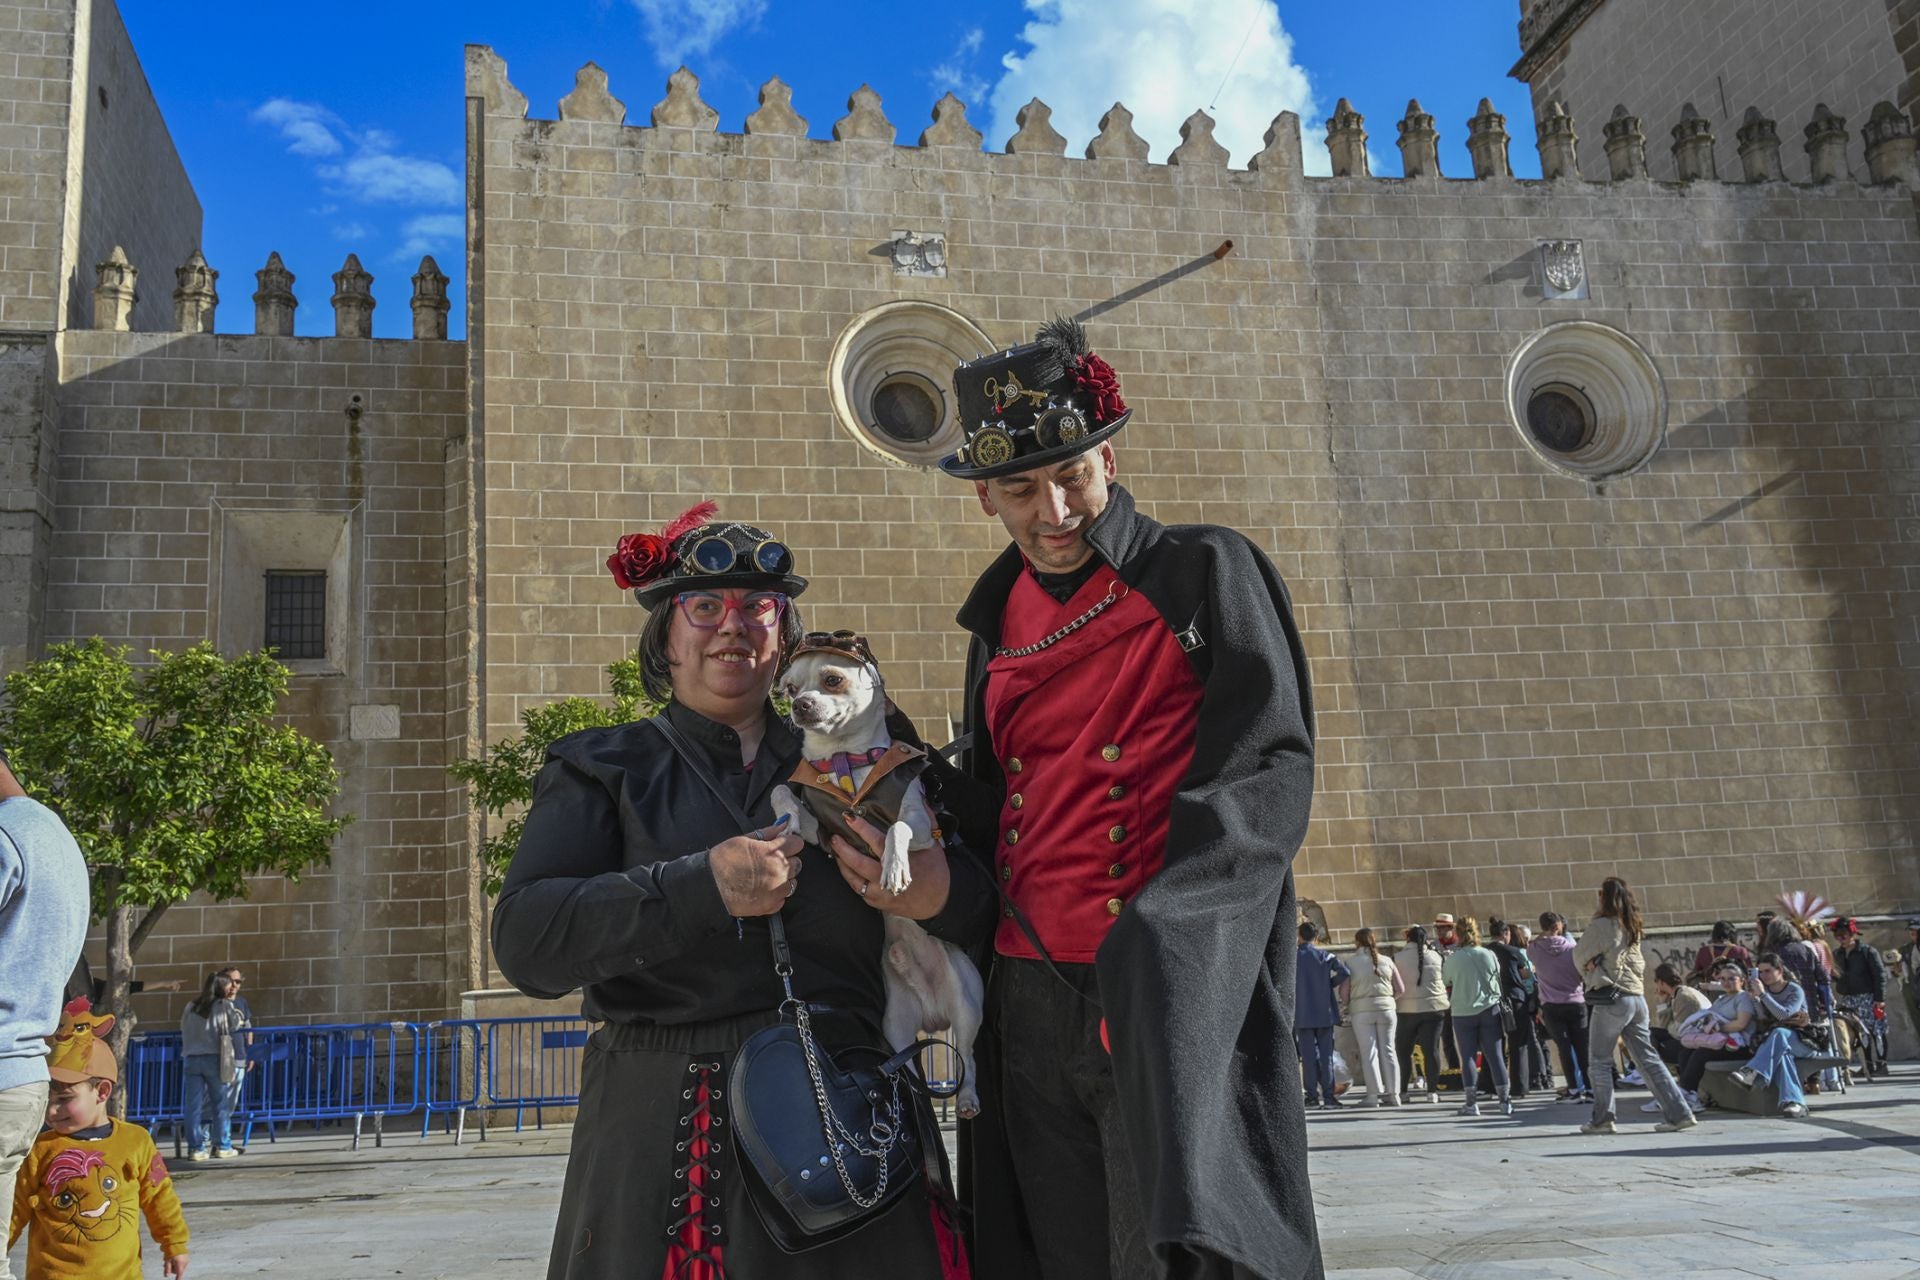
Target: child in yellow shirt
(88, 1177)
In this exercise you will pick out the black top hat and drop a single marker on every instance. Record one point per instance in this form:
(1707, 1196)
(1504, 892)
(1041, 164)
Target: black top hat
(1034, 405)
(696, 552)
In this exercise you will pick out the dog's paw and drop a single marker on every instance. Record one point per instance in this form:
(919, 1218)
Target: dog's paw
(967, 1102)
(896, 873)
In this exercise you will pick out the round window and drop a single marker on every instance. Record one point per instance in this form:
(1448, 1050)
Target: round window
(1587, 399)
(1560, 418)
(889, 373)
(908, 408)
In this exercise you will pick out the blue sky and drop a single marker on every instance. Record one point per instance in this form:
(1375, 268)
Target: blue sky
(316, 130)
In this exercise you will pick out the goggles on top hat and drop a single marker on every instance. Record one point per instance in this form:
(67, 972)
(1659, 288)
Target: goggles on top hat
(1034, 405)
(697, 553)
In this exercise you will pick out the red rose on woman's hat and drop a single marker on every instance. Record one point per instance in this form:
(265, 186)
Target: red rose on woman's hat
(638, 559)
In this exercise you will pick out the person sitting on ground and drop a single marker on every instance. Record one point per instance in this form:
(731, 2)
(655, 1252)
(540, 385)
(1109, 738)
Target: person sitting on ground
(1731, 1018)
(1678, 1001)
(1422, 1009)
(1783, 1013)
(1723, 945)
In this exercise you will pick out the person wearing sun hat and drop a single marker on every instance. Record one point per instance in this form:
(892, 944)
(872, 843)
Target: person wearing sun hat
(632, 882)
(1141, 736)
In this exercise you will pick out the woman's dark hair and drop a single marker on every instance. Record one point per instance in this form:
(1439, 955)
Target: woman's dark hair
(1718, 965)
(1668, 974)
(209, 992)
(1779, 936)
(1722, 931)
(1495, 927)
(1773, 958)
(1309, 931)
(656, 675)
(1617, 904)
(1548, 919)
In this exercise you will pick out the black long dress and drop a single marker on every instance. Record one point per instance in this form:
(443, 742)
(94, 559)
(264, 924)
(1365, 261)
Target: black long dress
(610, 891)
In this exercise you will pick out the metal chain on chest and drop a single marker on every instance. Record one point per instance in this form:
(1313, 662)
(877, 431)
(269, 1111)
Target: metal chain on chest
(1100, 606)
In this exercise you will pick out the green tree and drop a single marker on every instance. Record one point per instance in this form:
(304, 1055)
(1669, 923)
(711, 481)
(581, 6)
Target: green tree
(503, 777)
(173, 777)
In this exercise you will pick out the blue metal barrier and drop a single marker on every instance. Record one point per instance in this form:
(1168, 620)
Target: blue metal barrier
(352, 1071)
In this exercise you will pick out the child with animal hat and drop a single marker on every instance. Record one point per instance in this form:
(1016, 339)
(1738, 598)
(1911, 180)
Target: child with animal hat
(89, 1177)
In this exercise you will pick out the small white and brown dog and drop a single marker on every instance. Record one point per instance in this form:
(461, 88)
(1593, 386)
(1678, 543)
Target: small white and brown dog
(851, 765)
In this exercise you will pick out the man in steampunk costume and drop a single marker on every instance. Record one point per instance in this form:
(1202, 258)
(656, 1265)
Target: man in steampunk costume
(1138, 701)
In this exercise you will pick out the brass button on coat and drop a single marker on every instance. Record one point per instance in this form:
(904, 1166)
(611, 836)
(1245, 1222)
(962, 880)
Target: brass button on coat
(1013, 837)
(1114, 793)
(1114, 905)
(1117, 870)
(1008, 913)
(1014, 801)
(1116, 834)
(1006, 871)
(1110, 752)
(1013, 765)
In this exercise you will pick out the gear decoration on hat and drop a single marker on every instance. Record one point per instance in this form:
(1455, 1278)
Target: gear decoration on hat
(1034, 405)
(694, 551)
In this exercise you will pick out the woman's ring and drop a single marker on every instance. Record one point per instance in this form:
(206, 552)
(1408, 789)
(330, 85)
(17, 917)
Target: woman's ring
(864, 886)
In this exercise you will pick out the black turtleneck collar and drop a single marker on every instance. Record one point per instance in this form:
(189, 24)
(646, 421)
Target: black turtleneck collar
(723, 744)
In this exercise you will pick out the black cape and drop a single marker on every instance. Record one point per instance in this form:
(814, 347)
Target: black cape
(1197, 976)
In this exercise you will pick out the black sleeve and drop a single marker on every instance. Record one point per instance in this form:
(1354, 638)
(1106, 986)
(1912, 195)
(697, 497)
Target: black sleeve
(1877, 971)
(570, 913)
(969, 916)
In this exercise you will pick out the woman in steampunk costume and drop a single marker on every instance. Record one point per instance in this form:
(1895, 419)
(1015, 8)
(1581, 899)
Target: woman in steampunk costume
(633, 882)
(1138, 701)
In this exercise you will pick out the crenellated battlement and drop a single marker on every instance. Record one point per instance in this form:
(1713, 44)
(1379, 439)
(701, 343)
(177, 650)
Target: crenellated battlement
(1889, 135)
(196, 296)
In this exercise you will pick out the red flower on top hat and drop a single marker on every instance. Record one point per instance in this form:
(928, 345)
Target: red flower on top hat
(639, 558)
(1097, 378)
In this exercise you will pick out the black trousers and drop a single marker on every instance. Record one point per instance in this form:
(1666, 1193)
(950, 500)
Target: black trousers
(1666, 1045)
(1063, 1122)
(1525, 1058)
(1424, 1028)
(1567, 1024)
(643, 1090)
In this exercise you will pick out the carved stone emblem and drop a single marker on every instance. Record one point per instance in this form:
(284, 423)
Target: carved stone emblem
(1563, 269)
(917, 253)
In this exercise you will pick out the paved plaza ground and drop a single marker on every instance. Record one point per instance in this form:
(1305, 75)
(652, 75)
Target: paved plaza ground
(1417, 1192)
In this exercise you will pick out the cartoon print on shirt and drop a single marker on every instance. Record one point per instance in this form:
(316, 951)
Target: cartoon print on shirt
(81, 1190)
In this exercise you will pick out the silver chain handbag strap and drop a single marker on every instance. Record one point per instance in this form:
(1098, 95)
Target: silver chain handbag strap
(1116, 590)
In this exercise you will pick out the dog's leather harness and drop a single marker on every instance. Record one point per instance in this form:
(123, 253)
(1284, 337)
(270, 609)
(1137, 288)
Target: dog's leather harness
(877, 801)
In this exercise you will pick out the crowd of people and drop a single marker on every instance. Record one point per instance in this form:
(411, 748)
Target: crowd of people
(1485, 1004)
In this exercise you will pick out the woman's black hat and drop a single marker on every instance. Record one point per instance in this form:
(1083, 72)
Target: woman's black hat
(695, 552)
(1034, 405)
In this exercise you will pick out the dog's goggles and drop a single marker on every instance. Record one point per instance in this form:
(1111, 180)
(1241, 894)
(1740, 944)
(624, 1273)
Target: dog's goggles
(760, 610)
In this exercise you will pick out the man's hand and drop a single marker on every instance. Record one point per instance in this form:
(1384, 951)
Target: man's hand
(925, 898)
(756, 872)
(175, 1267)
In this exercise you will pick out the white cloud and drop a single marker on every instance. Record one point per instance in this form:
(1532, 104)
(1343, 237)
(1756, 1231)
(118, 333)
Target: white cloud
(954, 75)
(307, 127)
(352, 231)
(680, 30)
(431, 231)
(1165, 59)
(375, 178)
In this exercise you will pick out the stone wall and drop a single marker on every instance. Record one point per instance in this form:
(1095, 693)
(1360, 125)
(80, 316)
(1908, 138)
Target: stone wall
(26, 493)
(1722, 56)
(1692, 675)
(133, 191)
(36, 78)
(176, 449)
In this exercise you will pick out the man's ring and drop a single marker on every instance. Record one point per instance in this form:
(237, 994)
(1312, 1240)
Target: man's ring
(864, 886)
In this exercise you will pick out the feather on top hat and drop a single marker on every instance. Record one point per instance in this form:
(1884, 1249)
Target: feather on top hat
(1034, 405)
(696, 552)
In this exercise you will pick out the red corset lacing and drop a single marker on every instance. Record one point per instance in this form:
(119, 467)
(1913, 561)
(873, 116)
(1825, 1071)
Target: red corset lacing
(694, 1251)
